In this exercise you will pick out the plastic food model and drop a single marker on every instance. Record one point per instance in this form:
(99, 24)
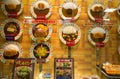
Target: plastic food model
(41, 9)
(11, 29)
(40, 31)
(41, 51)
(11, 51)
(23, 72)
(71, 34)
(12, 7)
(96, 11)
(69, 10)
(98, 35)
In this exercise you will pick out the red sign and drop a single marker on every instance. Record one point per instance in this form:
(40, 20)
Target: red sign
(12, 14)
(44, 21)
(40, 16)
(100, 44)
(70, 43)
(99, 19)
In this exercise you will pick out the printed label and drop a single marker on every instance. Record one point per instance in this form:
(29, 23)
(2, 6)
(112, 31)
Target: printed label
(99, 19)
(100, 44)
(10, 37)
(12, 14)
(70, 43)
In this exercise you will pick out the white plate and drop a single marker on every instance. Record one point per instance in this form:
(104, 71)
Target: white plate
(6, 13)
(89, 9)
(66, 4)
(14, 43)
(35, 44)
(67, 25)
(98, 29)
(11, 20)
(35, 39)
(46, 5)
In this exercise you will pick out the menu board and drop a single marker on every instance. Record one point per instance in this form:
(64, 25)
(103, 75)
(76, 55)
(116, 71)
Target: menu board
(64, 68)
(23, 68)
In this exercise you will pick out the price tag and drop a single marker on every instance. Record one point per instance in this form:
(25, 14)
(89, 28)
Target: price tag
(47, 75)
(40, 16)
(100, 44)
(10, 37)
(23, 62)
(41, 60)
(69, 20)
(12, 14)
(70, 43)
(99, 19)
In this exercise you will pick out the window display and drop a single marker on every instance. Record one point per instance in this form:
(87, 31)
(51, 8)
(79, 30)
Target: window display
(59, 39)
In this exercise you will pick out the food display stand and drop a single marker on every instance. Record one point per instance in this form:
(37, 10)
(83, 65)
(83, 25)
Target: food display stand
(59, 39)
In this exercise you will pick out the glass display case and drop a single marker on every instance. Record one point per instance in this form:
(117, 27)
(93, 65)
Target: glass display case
(60, 39)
